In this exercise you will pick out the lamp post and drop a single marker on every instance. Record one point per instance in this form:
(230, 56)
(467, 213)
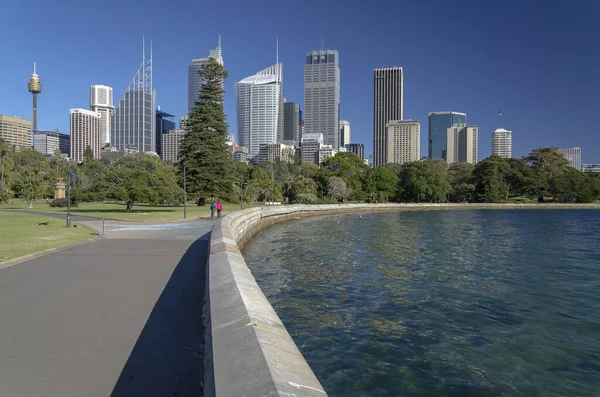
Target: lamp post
(71, 175)
(184, 193)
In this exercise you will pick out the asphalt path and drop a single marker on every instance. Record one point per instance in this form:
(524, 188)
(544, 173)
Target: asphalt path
(121, 316)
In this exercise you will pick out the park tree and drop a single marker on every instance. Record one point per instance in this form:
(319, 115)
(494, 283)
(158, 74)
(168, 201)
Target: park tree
(488, 177)
(5, 192)
(138, 178)
(349, 167)
(424, 181)
(546, 164)
(30, 170)
(381, 183)
(336, 188)
(460, 177)
(204, 150)
(297, 186)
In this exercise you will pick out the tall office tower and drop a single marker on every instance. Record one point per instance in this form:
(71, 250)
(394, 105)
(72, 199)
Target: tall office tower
(171, 144)
(183, 122)
(259, 112)
(461, 144)
(194, 80)
(85, 131)
(134, 122)
(439, 122)
(502, 143)
(403, 141)
(388, 105)
(46, 142)
(322, 95)
(344, 133)
(291, 123)
(164, 124)
(15, 131)
(101, 101)
(356, 148)
(573, 155)
(35, 87)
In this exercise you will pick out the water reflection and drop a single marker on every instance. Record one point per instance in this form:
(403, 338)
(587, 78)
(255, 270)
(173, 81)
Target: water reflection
(444, 303)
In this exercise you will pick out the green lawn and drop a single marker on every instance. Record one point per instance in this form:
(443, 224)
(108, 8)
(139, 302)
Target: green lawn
(22, 234)
(140, 213)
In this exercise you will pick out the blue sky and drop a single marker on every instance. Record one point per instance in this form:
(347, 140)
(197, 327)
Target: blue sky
(537, 61)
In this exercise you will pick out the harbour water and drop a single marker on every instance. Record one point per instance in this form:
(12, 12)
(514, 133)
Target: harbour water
(440, 303)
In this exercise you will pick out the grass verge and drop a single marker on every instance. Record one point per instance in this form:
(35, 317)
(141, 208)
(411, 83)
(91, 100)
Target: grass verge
(23, 234)
(140, 213)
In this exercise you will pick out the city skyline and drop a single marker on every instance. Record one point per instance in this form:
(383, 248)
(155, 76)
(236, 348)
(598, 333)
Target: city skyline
(504, 75)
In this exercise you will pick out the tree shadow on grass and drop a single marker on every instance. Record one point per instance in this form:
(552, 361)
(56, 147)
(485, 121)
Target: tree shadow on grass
(168, 357)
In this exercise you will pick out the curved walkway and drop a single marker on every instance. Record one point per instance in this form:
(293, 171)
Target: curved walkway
(120, 316)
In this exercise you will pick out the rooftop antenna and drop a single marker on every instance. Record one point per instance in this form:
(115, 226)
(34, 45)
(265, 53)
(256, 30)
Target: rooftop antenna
(277, 51)
(322, 43)
(34, 72)
(219, 44)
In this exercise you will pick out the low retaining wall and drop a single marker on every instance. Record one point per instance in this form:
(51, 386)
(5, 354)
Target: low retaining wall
(248, 350)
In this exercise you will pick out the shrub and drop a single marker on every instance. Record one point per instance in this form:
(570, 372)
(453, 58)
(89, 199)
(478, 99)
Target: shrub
(306, 198)
(63, 203)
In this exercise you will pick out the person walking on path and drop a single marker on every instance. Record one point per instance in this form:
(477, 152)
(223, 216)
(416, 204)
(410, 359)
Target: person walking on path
(213, 207)
(219, 209)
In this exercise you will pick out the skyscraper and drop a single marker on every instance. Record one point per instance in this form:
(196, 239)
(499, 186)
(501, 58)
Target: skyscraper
(573, 155)
(194, 80)
(439, 122)
(291, 123)
(344, 133)
(388, 104)
(461, 144)
(164, 124)
(101, 101)
(15, 131)
(322, 95)
(502, 143)
(403, 141)
(85, 131)
(134, 123)
(35, 87)
(259, 112)
(356, 148)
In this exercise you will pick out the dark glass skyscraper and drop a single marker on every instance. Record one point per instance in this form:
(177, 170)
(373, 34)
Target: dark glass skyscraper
(439, 122)
(291, 123)
(164, 124)
(356, 148)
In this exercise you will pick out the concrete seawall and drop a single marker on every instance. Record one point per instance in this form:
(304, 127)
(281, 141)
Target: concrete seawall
(248, 350)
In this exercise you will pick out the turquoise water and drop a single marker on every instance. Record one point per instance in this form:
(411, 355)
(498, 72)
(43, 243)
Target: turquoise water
(440, 303)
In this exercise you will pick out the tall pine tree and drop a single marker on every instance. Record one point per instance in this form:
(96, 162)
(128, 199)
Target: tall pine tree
(204, 150)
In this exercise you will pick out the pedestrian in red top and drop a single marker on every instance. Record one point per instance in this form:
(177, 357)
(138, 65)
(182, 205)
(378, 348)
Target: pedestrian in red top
(219, 209)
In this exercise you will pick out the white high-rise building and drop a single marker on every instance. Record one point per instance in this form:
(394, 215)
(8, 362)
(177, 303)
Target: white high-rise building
(502, 143)
(259, 100)
(388, 105)
(85, 131)
(403, 141)
(194, 80)
(171, 144)
(134, 123)
(322, 95)
(573, 155)
(101, 101)
(345, 138)
(461, 144)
